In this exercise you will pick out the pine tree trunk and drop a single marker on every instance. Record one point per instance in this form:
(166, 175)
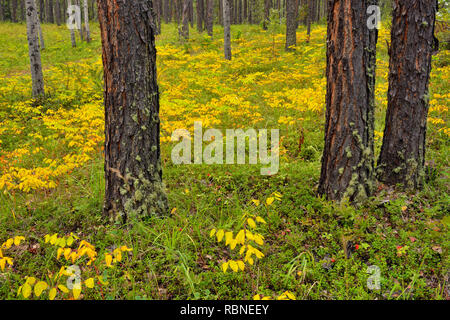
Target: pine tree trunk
(37, 78)
(226, 29)
(41, 10)
(2, 11)
(347, 161)
(402, 154)
(308, 21)
(86, 21)
(57, 12)
(14, 10)
(185, 23)
(267, 6)
(200, 9)
(291, 25)
(133, 171)
(209, 17)
(50, 11)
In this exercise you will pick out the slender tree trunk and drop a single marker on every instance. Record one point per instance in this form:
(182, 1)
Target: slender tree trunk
(50, 16)
(39, 28)
(200, 15)
(2, 11)
(402, 154)
(80, 30)
(191, 13)
(37, 77)
(309, 20)
(185, 23)
(133, 169)
(72, 31)
(86, 21)
(221, 12)
(347, 161)
(291, 25)
(209, 16)
(226, 29)
(267, 6)
(58, 12)
(14, 10)
(166, 11)
(41, 10)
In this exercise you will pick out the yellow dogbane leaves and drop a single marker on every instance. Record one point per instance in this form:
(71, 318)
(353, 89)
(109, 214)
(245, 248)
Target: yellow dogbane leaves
(8, 261)
(67, 283)
(287, 295)
(246, 239)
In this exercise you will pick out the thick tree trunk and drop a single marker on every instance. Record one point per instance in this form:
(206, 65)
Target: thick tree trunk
(80, 30)
(412, 43)
(209, 16)
(185, 23)
(37, 78)
(133, 169)
(86, 21)
(226, 29)
(347, 161)
(291, 25)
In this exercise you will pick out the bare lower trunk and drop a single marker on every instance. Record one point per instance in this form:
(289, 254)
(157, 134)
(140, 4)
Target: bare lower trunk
(226, 29)
(33, 49)
(291, 25)
(209, 16)
(412, 44)
(347, 161)
(185, 22)
(133, 171)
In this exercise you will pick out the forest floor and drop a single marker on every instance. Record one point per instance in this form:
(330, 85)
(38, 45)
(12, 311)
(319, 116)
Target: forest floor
(52, 181)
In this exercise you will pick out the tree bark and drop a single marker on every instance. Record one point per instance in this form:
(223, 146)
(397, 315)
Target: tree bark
(402, 154)
(200, 15)
(133, 171)
(185, 23)
(86, 21)
(209, 17)
(58, 12)
(226, 29)
(347, 161)
(291, 25)
(72, 31)
(14, 10)
(37, 78)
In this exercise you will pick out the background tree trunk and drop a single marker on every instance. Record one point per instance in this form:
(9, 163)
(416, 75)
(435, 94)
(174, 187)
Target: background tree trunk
(226, 29)
(132, 148)
(72, 31)
(347, 161)
(291, 24)
(402, 154)
(185, 23)
(58, 12)
(209, 17)
(37, 77)
(14, 10)
(200, 15)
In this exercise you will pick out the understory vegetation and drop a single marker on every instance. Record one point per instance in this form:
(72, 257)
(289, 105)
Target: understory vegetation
(231, 233)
